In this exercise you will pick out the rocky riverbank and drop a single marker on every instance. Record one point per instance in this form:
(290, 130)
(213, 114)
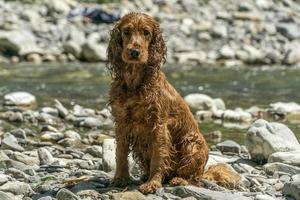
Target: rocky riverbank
(198, 32)
(50, 153)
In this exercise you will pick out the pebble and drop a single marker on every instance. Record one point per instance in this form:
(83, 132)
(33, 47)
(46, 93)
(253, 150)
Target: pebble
(45, 156)
(16, 188)
(19, 99)
(10, 142)
(229, 146)
(64, 194)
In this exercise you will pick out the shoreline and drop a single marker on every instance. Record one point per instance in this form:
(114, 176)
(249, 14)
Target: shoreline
(218, 33)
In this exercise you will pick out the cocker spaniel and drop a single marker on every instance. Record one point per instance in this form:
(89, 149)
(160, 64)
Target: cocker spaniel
(152, 120)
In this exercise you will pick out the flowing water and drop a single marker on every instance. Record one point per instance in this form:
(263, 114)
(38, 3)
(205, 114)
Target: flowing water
(88, 85)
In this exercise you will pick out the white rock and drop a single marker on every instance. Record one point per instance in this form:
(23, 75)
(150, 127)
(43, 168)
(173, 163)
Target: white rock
(264, 197)
(17, 188)
(284, 108)
(191, 56)
(292, 189)
(21, 42)
(217, 159)
(229, 146)
(92, 50)
(19, 99)
(237, 115)
(293, 54)
(227, 52)
(219, 103)
(199, 102)
(271, 168)
(109, 155)
(59, 6)
(292, 157)
(45, 156)
(72, 134)
(264, 138)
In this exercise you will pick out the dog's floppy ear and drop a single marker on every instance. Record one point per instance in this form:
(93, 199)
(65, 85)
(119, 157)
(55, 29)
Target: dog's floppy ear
(114, 50)
(158, 48)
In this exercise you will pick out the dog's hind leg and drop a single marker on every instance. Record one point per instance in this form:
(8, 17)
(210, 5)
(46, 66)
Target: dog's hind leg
(194, 156)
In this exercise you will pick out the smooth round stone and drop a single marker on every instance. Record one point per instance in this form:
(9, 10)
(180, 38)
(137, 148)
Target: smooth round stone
(20, 99)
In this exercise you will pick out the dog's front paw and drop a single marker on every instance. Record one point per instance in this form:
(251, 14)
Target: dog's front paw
(149, 187)
(120, 181)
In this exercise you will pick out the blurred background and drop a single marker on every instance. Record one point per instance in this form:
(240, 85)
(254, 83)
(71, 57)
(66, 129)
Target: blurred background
(241, 57)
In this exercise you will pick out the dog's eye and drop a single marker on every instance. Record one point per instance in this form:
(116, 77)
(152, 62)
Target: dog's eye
(126, 32)
(146, 33)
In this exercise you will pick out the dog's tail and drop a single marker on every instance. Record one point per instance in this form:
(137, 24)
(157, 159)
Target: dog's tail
(223, 175)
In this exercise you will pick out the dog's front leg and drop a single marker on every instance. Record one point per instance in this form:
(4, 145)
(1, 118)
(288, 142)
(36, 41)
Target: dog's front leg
(160, 160)
(121, 177)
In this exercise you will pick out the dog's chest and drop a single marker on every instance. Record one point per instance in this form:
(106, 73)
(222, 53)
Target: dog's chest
(133, 110)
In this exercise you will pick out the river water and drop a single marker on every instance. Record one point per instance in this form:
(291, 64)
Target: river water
(88, 85)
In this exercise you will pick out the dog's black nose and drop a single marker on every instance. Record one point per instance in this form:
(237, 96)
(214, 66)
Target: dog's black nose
(134, 53)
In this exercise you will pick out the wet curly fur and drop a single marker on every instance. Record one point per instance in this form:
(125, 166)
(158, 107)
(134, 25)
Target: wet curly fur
(152, 120)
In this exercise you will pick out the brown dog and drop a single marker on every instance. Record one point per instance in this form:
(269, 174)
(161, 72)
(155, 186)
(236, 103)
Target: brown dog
(152, 120)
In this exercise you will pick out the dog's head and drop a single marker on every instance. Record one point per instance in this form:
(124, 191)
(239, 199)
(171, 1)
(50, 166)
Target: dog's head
(136, 39)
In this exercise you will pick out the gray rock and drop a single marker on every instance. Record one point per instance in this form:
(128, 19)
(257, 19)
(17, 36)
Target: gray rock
(292, 157)
(6, 196)
(34, 58)
(292, 55)
(45, 156)
(72, 135)
(19, 99)
(10, 142)
(91, 122)
(292, 189)
(94, 151)
(28, 160)
(65, 194)
(58, 6)
(234, 115)
(229, 146)
(17, 188)
(79, 111)
(289, 30)
(217, 158)
(16, 173)
(15, 117)
(109, 155)
(219, 31)
(227, 52)
(92, 50)
(202, 193)
(264, 4)
(20, 42)
(264, 197)
(50, 111)
(52, 136)
(245, 6)
(264, 138)
(72, 48)
(199, 102)
(63, 112)
(271, 168)
(296, 178)
(46, 198)
(129, 195)
(190, 57)
(284, 108)
(254, 54)
(4, 178)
